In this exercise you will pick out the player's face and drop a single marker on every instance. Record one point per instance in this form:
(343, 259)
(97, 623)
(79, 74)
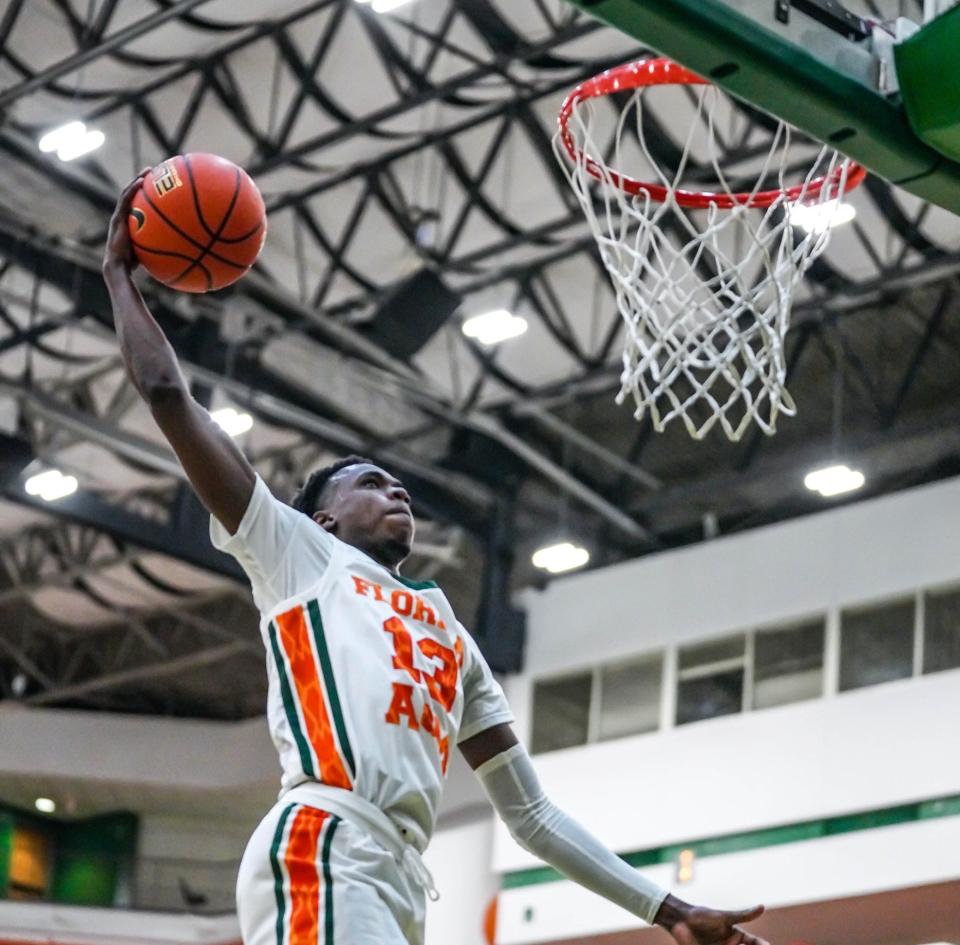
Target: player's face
(370, 509)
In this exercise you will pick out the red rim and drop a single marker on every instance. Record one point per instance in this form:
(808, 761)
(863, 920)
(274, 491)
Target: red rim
(650, 72)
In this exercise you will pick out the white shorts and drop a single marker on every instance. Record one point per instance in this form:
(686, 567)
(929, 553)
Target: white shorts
(308, 877)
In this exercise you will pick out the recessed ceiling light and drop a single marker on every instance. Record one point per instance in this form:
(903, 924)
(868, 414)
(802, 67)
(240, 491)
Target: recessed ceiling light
(834, 480)
(491, 328)
(51, 485)
(560, 557)
(45, 805)
(71, 141)
(53, 140)
(232, 422)
(385, 6)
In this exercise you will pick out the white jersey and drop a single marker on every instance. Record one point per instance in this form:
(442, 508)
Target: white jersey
(371, 678)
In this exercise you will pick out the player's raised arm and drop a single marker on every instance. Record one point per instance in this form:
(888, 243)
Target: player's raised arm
(507, 774)
(217, 470)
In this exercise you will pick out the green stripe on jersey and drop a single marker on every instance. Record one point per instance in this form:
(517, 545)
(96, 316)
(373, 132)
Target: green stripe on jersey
(328, 883)
(289, 706)
(278, 872)
(417, 585)
(316, 622)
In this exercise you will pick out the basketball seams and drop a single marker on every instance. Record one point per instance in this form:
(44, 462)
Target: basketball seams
(196, 244)
(215, 236)
(205, 251)
(233, 240)
(206, 274)
(161, 252)
(172, 283)
(230, 240)
(196, 197)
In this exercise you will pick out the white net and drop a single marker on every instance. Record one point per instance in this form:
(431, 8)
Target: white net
(705, 293)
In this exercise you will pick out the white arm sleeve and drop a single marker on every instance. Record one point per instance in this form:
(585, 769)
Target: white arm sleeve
(544, 830)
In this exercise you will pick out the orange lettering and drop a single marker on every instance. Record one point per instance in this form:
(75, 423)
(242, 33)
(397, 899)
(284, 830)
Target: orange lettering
(402, 602)
(361, 585)
(402, 705)
(443, 744)
(443, 683)
(424, 613)
(429, 722)
(402, 648)
(458, 649)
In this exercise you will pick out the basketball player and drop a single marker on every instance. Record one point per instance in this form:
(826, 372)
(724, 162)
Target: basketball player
(372, 681)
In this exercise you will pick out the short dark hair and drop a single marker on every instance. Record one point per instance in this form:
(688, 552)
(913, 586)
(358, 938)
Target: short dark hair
(310, 495)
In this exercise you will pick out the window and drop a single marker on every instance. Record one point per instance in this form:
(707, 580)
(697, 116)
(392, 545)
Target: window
(561, 712)
(630, 698)
(788, 664)
(941, 642)
(711, 679)
(876, 644)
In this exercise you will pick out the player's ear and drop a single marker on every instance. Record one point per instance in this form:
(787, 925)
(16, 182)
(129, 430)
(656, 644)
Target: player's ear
(325, 520)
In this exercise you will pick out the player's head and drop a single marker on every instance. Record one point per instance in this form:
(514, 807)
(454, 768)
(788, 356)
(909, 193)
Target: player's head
(362, 505)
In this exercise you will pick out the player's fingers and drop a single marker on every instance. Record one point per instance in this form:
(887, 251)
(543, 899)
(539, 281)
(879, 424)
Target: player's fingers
(745, 915)
(737, 938)
(128, 192)
(682, 934)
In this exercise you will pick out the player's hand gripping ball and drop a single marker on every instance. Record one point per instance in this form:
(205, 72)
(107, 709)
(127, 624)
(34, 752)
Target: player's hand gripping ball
(198, 223)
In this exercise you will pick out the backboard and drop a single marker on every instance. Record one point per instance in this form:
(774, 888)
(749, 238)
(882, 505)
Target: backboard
(820, 67)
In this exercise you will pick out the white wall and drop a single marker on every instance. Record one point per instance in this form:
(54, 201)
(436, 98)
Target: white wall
(459, 859)
(134, 750)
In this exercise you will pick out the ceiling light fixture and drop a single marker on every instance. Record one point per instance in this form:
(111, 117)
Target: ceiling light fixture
(45, 805)
(51, 485)
(491, 328)
(71, 141)
(561, 556)
(385, 6)
(820, 217)
(834, 480)
(232, 422)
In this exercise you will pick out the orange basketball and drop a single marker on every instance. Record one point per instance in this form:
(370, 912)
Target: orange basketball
(198, 223)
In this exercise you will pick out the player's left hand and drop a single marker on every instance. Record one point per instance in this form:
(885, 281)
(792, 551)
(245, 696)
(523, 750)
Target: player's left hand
(700, 926)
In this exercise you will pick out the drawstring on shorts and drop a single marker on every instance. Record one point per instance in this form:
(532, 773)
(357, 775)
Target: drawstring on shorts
(414, 865)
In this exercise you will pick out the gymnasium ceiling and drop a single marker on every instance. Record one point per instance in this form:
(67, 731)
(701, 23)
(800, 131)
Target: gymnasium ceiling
(383, 143)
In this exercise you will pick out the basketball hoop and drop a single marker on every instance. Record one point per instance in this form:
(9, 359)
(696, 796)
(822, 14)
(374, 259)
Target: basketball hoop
(704, 279)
